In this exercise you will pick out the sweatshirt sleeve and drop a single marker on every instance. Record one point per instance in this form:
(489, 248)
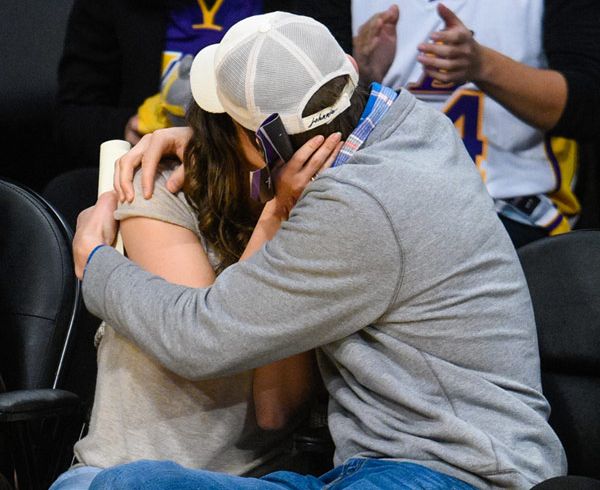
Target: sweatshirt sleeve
(333, 268)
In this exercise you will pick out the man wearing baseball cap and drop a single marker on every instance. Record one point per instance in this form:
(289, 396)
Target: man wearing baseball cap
(392, 263)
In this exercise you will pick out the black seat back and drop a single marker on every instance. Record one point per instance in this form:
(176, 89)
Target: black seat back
(39, 293)
(563, 274)
(46, 340)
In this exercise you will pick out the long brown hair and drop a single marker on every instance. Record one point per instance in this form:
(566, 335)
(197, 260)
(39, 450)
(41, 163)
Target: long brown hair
(216, 171)
(217, 184)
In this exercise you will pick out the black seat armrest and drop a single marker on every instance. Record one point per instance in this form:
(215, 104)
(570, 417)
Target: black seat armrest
(23, 405)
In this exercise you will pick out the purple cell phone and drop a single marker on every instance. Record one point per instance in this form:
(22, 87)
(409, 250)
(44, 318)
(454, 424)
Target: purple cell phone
(277, 148)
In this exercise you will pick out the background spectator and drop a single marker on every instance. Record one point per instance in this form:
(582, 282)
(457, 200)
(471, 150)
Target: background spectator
(520, 83)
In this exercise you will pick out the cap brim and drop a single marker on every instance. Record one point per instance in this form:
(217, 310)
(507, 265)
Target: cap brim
(203, 80)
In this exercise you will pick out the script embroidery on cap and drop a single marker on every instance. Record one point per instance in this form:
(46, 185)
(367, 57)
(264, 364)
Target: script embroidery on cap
(322, 117)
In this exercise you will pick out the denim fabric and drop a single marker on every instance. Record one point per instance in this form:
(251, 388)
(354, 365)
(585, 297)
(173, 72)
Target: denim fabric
(356, 474)
(78, 478)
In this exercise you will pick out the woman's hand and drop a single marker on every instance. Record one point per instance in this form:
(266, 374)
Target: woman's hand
(148, 153)
(454, 56)
(291, 178)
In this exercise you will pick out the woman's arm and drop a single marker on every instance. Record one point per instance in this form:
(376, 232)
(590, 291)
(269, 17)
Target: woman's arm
(534, 95)
(167, 250)
(282, 388)
(175, 254)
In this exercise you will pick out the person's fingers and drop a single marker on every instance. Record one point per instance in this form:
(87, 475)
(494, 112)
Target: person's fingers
(180, 141)
(432, 62)
(126, 175)
(98, 220)
(439, 50)
(175, 182)
(369, 30)
(449, 17)
(451, 36)
(321, 155)
(170, 141)
(392, 14)
(107, 201)
(82, 217)
(116, 183)
(376, 27)
(304, 152)
(444, 76)
(150, 160)
(130, 161)
(95, 225)
(370, 24)
(367, 36)
(331, 158)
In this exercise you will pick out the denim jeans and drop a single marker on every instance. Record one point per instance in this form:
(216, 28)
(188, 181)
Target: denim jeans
(356, 474)
(78, 478)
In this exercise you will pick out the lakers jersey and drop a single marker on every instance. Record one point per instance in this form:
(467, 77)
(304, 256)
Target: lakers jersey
(515, 160)
(192, 25)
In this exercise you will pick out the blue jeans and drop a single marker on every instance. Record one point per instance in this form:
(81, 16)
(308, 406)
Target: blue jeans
(78, 478)
(356, 474)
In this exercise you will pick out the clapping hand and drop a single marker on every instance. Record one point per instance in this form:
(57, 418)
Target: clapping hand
(454, 56)
(374, 47)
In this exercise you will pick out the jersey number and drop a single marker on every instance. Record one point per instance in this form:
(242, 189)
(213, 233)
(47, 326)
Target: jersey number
(465, 110)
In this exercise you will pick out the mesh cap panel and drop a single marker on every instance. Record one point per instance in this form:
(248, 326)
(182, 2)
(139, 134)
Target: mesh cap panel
(232, 86)
(326, 54)
(278, 85)
(270, 63)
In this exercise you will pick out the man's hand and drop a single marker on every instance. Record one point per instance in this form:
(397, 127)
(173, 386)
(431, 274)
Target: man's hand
(148, 153)
(95, 226)
(314, 156)
(374, 47)
(454, 56)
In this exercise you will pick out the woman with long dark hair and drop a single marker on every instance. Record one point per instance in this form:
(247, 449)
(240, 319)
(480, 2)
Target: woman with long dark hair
(237, 423)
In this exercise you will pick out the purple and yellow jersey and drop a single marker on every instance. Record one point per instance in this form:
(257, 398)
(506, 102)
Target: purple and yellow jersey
(200, 23)
(192, 26)
(514, 159)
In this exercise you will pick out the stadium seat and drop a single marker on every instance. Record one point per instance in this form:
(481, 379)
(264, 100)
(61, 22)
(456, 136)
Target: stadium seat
(43, 334)
(563, 274)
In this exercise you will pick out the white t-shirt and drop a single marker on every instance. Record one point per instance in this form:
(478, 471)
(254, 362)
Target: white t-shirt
(513, 158)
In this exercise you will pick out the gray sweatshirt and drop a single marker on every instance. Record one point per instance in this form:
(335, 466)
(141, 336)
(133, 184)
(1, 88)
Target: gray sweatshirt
(396, 266)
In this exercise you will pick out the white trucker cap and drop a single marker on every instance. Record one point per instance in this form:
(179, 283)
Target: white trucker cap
(272, 63)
